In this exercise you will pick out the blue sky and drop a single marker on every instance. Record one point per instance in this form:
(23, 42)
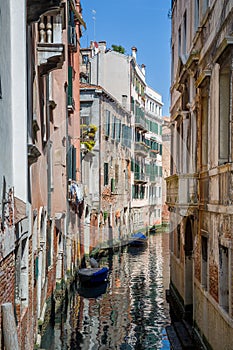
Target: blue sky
(144, 24)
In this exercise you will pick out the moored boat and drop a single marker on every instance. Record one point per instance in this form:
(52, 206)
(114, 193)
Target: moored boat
(93, 274)
(138, 239)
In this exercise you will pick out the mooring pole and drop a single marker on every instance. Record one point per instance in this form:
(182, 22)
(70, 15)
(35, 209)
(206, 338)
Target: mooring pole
(9, 327)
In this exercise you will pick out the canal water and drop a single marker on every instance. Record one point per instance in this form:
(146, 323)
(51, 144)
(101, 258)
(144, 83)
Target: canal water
(128, 312)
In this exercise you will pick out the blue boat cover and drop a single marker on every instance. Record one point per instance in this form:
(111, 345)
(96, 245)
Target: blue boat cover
(139, 235)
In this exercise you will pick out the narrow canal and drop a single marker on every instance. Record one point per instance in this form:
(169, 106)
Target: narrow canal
(128, 312)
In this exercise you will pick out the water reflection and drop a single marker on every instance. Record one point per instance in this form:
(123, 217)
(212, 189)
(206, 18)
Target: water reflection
(130, 312)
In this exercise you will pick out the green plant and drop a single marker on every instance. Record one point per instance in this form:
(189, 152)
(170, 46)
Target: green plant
(88, 135)
(118, 48)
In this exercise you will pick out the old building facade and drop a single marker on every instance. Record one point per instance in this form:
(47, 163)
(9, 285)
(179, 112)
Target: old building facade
(40, 143)
(106, 172)
(129, 88)
(199, 190)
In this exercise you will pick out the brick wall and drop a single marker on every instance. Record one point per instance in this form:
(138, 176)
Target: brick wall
(7, 282)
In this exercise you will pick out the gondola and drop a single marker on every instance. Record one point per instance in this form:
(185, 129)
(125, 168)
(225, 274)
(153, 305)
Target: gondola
(138, 239)
(93, 275)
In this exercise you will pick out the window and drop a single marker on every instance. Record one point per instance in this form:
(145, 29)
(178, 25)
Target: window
(112, 185)
(205, 4)
(116, 173)
(113, 127)
(21, 275)
(70, 86)
(178, 241)
(107, 123)
(224, 277)
(224, 111)
(179, 42)
(204, 261)
(172, 65)
(84, 59)
(105, 174)
(196, 20)
(204, 127)
(71, 155)
(185, 33)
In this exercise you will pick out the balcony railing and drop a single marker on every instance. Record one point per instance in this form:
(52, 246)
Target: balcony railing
(140, 122)
(50, 48)
(140, 177)
(182, 189)
(216, 186)
(141, 149)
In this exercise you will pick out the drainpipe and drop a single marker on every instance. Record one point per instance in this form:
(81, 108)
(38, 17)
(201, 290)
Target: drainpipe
(49, 145)
(67, 217)
(230, 114)
(100, 152)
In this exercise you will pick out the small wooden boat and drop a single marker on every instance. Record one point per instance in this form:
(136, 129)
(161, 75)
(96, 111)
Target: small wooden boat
(93, 275)
(138, 239)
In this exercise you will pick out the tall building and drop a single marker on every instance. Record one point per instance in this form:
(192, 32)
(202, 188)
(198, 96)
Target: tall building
(199, 190)
(129, 88)
(40, 155)
(107, 160)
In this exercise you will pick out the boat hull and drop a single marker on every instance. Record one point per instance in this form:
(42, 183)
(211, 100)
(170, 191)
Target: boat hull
(138, 239)
(93, 275)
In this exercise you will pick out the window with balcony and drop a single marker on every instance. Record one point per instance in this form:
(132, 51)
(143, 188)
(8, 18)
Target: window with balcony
(72, 36)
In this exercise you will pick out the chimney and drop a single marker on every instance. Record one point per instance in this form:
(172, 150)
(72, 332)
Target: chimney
(134, 52)
(124, 100)
(102, 46)
(143, 69)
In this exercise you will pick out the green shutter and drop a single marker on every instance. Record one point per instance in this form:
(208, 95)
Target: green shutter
(160, 171)
(105, 173)
(112, 185)
(73, 163)
(69, 163)
(160, 149)
(70, 86)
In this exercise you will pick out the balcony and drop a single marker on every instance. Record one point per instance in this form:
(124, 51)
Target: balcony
(141, 149)
(50, 48)
(155, 178)
(139, 178)
(182, 190)
(215, 187)
(140, 122)
(36, 8)
(153, 154)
